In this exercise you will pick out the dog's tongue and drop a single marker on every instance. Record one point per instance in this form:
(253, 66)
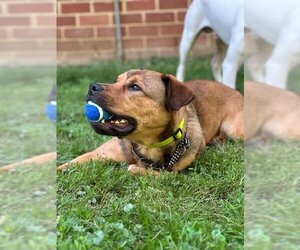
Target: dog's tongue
(95, 113)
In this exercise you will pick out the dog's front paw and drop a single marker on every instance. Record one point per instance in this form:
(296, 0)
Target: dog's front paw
(63, 166)
(136, 170)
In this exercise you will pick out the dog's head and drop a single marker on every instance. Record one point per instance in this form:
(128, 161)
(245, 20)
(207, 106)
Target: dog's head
(139, 101)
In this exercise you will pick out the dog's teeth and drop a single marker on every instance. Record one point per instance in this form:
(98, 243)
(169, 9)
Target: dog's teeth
(122, 121)
(117, 122)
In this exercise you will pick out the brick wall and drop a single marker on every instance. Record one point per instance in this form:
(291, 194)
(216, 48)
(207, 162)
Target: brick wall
(28, 32)
(86, 30)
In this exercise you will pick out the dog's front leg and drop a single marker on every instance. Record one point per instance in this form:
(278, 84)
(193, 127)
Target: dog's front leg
(218, 58)
(112, 150)
(36, 160)
(139, 170)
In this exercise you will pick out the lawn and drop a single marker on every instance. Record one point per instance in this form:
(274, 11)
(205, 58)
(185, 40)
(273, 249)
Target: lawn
(101, 206)
(27, 195)
(272, 190)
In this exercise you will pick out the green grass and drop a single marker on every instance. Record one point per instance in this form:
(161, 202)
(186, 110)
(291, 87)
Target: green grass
(101, 206)
(272, 191)
(28, 208)
(24, 128)
(27, 195)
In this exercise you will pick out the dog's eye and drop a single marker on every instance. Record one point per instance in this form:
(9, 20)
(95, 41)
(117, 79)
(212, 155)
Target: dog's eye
(134, 87)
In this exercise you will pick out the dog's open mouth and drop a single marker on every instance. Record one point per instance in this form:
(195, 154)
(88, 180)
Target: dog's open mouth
(106, 122)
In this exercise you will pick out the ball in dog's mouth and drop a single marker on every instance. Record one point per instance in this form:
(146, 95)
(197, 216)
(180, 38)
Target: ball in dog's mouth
(106, 122)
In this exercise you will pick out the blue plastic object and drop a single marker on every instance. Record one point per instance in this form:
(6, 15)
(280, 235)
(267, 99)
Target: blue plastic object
(94, 113)
(50, 111)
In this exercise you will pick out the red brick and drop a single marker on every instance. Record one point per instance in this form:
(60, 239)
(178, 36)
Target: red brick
(162, 42)
(68, 45)
(132, 43)
(18, 46)
(173, 4)
(79, 33)
(101, 7)
(131, 18)
(86, 45)
(3, 33)
(46, 20)
(140, 5)
(34, 33)
(106, 32)
(181, 16)
(143, 31)
(14, 21)
(65, 21)
(159, 17)
(81, 57)
(30, 7)
(172, 29)
(58, 33)
(98, 45)
(169, 53)
(92, 20)
(48, 45)
(75, 7)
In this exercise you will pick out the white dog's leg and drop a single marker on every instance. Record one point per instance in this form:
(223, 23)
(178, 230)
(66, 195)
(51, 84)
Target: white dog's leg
(234, 54)
(231, 63)
(286, 53)
(277, 68)
(218, 58)
(193, 23)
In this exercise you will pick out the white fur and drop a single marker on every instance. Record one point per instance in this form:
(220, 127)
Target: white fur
(226, 18)
(278, 23)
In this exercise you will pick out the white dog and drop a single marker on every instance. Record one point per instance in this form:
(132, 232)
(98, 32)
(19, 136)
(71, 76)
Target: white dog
(226, 19)
(278, 23)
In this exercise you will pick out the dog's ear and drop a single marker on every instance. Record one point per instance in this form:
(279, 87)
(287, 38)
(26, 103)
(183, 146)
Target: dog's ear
(177, 94)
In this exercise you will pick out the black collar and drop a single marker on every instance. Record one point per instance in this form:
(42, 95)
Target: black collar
(180, 150)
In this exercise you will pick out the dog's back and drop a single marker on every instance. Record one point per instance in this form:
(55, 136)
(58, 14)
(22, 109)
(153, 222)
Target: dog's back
(219, 108)
(271, 111)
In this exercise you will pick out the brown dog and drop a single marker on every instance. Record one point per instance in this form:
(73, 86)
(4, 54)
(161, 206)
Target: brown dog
(149, 107)
(271, 112)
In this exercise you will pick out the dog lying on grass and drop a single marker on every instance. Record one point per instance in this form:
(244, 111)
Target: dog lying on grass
(159, 123)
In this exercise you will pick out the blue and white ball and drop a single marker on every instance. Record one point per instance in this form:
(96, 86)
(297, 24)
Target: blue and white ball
(95, 113)
(50, 110)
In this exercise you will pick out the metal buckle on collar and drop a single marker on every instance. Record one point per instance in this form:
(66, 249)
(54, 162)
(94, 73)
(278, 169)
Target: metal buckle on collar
(180, 150)
(175, 135)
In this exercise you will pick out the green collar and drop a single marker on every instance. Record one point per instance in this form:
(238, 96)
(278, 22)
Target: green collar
(176, 136)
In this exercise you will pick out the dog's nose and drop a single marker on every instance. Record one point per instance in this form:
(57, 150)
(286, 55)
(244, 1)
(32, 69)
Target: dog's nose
(95, 88)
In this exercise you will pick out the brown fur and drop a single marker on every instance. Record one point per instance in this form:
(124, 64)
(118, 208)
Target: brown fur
(210, 110)
(271, 112)
(37, 160)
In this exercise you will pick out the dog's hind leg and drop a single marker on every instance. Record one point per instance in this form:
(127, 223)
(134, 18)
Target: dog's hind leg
(218, 58)
(283, 127)
(234, 54)
(233, 127)
(193, 23)
(112, 150)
